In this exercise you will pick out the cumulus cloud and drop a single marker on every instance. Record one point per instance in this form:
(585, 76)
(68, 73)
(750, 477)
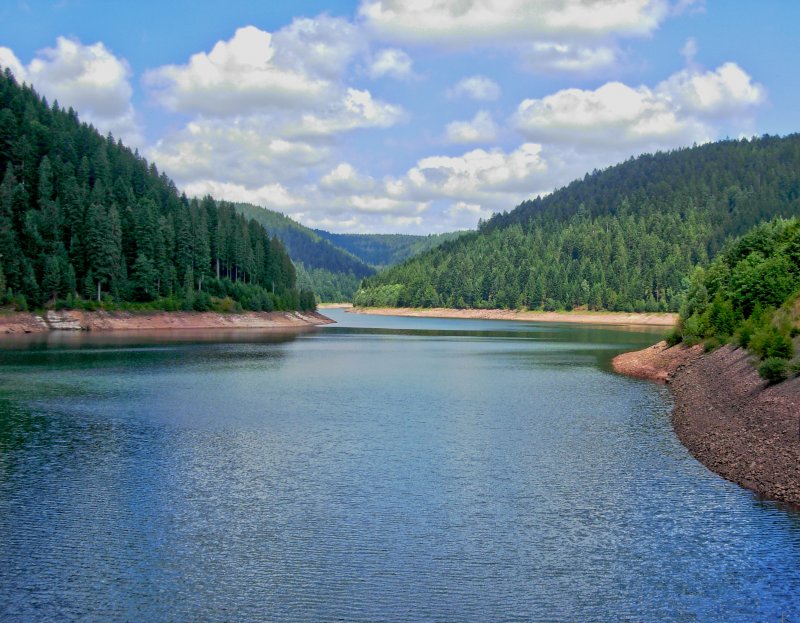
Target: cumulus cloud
(268, 112)
(9, 60)
(393, 63)
(238, 76)
(356, 109)
(273, 196)
(242, 150)
(676, 112)
(321, 46)
(89, 78)
(567, 57)
(481, 129)
(458, 22)
(344, 179)
(463, 215)
(488, 177)
(726, 91)
(478, 88)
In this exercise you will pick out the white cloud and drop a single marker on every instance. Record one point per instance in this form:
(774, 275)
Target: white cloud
(459, 22)
(321, 46)
(567, 57)
(726, 91)
(242, 150)
(491, 178)
(238, 76)
(391, 62)
(616, 115)
(357, 109)
(463, 215)
(689, 51)
(384, 205)
(268, 113)
(478, 88)
(481, 129)
(9, 60)
(344, 179)
(273, 196)
(89, 78)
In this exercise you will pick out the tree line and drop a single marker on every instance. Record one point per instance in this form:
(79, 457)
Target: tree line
(85, 221)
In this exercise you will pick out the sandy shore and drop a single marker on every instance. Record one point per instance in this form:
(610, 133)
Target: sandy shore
(334, 306)
(74, 320)
(581, 317)
(728, 417)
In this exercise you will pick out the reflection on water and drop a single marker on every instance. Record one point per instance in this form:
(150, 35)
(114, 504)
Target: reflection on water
(382, 469)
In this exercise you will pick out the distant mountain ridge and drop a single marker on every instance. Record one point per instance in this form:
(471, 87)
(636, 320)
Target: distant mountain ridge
(381, 250)
(333, 265)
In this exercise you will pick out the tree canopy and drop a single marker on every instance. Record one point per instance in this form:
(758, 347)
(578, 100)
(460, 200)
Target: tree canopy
(83, 218)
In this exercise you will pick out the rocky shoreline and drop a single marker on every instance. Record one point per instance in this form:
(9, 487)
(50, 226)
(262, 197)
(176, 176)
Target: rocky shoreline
(75, 320)
(728, 417)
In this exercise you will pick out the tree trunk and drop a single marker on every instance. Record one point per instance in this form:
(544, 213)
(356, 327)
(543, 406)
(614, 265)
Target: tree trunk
(98, 290)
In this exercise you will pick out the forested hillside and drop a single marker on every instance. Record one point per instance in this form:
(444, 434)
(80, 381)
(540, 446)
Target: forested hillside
(381, 250)
(84, 221)
(332, 273)
(750, 294)
(624, 238)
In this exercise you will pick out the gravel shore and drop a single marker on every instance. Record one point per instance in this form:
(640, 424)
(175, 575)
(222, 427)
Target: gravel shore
(728, 417)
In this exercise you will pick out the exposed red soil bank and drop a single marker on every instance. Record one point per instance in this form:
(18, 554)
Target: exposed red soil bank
(128, 321)
(728, 417)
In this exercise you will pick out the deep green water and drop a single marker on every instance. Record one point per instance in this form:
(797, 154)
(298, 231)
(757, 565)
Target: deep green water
(382, 469)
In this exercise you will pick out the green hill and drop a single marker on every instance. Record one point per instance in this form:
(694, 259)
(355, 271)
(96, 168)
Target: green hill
(382, 250)
(624, 238)
(331, 272)
(333, 265)
(86, 222)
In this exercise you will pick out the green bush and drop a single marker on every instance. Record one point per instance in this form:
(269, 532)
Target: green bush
(773, 370)
(771, 342)
(712, 343)
(674, 337)
(201, 302)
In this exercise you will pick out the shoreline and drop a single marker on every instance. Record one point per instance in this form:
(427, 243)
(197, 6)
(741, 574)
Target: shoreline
(577, 317)
(76, 320)
(728, 418)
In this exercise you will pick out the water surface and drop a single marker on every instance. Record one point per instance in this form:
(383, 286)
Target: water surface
(382, 469)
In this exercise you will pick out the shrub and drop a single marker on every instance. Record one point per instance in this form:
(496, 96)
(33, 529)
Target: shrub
(773, 369)
(674, 337)
(201, 302)
(226, 305)
(712, 343)
(770, 342)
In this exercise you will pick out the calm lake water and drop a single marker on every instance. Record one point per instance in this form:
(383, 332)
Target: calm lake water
(382, 469)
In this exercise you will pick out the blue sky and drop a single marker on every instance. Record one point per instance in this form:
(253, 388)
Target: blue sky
(416, 116)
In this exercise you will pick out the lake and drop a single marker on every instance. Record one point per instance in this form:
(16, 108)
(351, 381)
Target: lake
(380, 469)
